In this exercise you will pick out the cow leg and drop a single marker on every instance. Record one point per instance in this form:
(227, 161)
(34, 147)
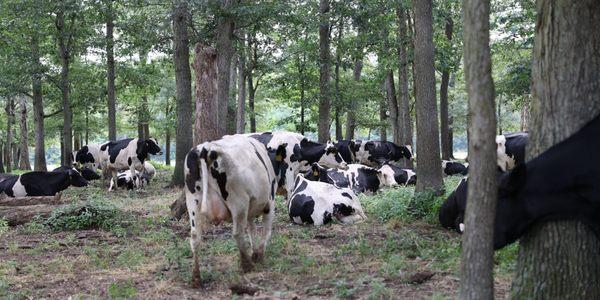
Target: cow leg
(135, 177)
(268, 214)
(197, 222)
(113, 186)
(251, 232)
(240, 223)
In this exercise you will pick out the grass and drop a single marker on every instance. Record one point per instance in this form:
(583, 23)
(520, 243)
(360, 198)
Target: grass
(124, 245)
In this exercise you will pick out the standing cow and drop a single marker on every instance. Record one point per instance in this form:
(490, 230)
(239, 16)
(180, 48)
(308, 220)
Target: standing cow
(39, 183)
(91, 155)
(129, 154)
(376, 153)
(318, 203)
(230, 179)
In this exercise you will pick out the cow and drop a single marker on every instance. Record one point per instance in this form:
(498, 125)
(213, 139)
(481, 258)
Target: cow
(126, 180)
(347, 149)
(454, 168)
(359, 178)
(230, 179)
(452, 211)
(393, 175)
(318, 203)
(309, 152)
(85, 172)
(129, 154)
(378, 153)
(91, 155)
(511, 150)
(40, 183)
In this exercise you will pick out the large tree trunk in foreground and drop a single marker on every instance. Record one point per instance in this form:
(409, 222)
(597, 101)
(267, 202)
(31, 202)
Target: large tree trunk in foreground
(445, 141)
(10, 120)
(428, 143)
(110, 73)
(561, 259)
(324, 63)
(183, 77)
(38, 107)
(206, 126)
(477, 281)
(24, 138)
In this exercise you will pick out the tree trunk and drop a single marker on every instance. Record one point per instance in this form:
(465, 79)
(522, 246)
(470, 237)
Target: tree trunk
(232, 100)
(17, 215)
(24, 139)
(168, 137)
(10, 120)
(38, 107)
(87, 128)
(110, 73)
(338, 92)
(224, 53)
(1, 156)
(301, 74)
(64, 48)
(561, 259)
(382, 121)
(351, 116)
(390, 91)
(181, 61)
(428, 142)
(405, 120)
(477, 281)
(444, 124)
(76, 141)
(499, 114)
(252, 56)
(525, 117)
(206, 126)
(240, 117)
(324, 63)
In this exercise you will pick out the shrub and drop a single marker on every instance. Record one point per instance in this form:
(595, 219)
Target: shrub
(94, 214)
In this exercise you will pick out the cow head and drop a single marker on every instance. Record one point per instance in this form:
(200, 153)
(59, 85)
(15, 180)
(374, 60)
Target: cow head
(387, 177)
(316, 172)
(89, 174)
(75, 179)
(406, 152)
(151, 146)
(332, 158)
(503, 159)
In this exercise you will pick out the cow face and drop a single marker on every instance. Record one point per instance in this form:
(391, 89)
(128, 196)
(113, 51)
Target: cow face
(76, 179)
(387, 176)
(89, 174)
(332, 158)
(503, 159)
(405, 151)
(152, 147)
(316, 173)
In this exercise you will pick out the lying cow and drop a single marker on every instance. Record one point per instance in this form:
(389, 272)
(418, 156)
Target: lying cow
(318, 203)
(511, 150)
(347, 149)
(149, 171)
(230, 179)
(40, 183)
(454, 168)
(85, 172)
(357, 177)
(376, 153)
(127, 181)
(393, 176)
(129, 154)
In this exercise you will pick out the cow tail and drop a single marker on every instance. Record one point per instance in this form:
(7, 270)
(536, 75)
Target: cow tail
(204, 175)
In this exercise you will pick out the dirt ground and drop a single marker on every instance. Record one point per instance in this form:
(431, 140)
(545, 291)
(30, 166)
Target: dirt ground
(149, 258)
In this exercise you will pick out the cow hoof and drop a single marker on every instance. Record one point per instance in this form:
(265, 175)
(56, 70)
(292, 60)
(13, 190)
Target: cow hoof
(258, 257)
(247, 266)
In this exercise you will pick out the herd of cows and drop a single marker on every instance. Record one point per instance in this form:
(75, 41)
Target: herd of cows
(237, 177)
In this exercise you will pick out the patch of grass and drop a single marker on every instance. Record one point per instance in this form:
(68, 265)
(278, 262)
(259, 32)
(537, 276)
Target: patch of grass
(130, 258)
(124, 290)
(94, 214)
(34, 227)
(506, 259)
(388, 204)
(3, 226)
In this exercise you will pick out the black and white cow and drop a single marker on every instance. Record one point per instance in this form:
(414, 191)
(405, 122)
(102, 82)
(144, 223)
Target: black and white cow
(511, 150)
(91, 155)
(309, 152)
(376, 153)
(129, 154)
(230, 179)
(454, 168)
(126, 180)
(347, 149)
(318, 203)
(85, 172)
(40, 183)
(359, 178)
(452, 211)
(393, 176)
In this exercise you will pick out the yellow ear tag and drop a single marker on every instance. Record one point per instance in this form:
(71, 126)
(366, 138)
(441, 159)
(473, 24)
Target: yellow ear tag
(315, 173)
(278, 158)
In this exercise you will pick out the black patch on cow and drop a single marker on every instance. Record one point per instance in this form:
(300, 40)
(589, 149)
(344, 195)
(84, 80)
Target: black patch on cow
(213, 155)
(89, 174)
(327, 217)
(302, 206)
(273, 189)
(367, 180)
(221, 180)
(318, 173)
(84, 156)
(347, 195)
(337, 178)
(264, 138)
(453, 168)
(515, 146)
(301, 187)
(129, 162)
(342, 209)
(114, 148)
(308, 151)
(260, 158)
(193, 223)
(7, 183)
(346, 149)
(193, 165)
(384, 152)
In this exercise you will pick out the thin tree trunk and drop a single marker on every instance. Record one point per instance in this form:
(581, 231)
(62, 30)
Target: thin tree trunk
(477, 281)
(301, 74)
(240, 118)
(338, 92)
(62, 146)
(87, 127)
(444, 124)
(10, 120)
(76, 141)
(224, 54)
(168, 136)
(499, 114)
(351, 116)
(24, 139)
(38, 107)
(561, 259)
(392, 103)
(382, 121)
(428, 142)
(324, 63)
(405, 120)
(64, 48)
(181, 61)
(252, 56)
(1, 156)
(110, 72)
(206, 125)
(525, 117)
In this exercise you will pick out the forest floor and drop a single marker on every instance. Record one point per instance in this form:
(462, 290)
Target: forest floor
(140, 253)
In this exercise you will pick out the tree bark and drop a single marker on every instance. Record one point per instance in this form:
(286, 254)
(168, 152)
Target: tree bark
(181, 61)
(24, 163)
(224, 54)
(382, 121)
(444, 124)
(240, 116)
(110, 72)
(252, 56)
(351, 116)
(390, 91)
(338, 92)
(10, 120)
(302, 74)
(405, 120)
(64, 49)
(477, 281)
(38, 107)
(168, 136)
(324, 64)
(206, 126)
(1, 156)
(561, 259)
(525, 117)
(428, 142)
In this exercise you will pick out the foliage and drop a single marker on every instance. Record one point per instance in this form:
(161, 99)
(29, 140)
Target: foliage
(3, 226)
(94, 214)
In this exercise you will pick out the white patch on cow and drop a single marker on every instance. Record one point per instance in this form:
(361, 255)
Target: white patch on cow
(503, 159)
(461, 226)
(330, 159)
(409, 174)
(18, 189)
(444, 163)
(466, 165)
(388, 176)
(149, 169)
(297, 220)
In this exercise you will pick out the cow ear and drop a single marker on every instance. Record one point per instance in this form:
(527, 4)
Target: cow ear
(280, 152)
(512, 182)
